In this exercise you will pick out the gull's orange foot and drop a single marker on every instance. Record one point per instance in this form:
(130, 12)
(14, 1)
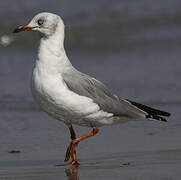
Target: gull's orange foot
(73, 163)
(71, 150)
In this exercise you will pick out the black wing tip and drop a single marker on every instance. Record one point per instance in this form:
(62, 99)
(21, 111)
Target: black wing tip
(163, 113)
(167, 114)
(152, 113)
(156, 117)
(162, 119)
(150, 110)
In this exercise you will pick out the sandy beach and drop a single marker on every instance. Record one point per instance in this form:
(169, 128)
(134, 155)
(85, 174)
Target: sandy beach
(33, 147)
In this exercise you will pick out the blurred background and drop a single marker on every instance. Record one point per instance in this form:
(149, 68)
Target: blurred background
(134, 47)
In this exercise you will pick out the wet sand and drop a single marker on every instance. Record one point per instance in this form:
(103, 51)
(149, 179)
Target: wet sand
(142, 150)
(141, 165)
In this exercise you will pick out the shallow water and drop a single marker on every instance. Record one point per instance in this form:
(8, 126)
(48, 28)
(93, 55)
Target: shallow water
(143, 165)
(134, 48)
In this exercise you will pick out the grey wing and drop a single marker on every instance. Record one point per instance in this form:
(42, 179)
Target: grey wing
(84, 85)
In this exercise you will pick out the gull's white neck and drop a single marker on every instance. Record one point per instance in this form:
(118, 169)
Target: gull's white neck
(52, 56)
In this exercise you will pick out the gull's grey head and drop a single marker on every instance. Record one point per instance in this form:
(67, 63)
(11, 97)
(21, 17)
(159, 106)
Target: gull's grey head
(46, 23)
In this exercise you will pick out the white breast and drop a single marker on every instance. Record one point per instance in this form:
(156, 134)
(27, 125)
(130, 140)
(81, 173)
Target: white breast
(51, 92)
(57, 100)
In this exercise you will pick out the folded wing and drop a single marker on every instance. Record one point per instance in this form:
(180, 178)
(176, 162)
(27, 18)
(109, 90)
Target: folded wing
(84, 85)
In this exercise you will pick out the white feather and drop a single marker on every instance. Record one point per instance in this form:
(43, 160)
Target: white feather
(50, 91)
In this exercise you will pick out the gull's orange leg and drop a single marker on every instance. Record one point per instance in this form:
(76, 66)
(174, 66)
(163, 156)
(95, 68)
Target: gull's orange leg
(71, 150)
(72, 132)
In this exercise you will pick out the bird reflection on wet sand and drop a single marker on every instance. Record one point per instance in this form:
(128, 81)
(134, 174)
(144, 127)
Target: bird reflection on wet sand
(72, 173)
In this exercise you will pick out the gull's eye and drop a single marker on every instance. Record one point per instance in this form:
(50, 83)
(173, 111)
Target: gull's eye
(40, 22)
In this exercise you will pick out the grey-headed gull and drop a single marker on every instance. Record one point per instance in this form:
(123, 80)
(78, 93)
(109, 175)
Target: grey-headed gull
(71, 96)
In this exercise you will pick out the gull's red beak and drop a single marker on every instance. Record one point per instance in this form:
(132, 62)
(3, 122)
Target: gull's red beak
(22, 28)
